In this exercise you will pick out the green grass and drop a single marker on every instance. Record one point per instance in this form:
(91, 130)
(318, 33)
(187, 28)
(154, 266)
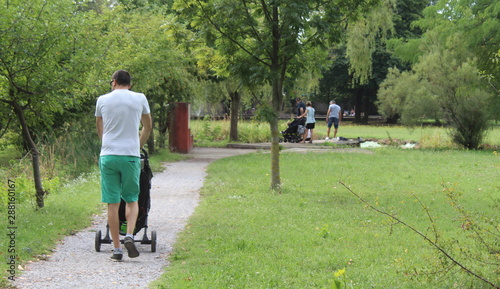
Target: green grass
(244, 236)
(66, 211)
(216, 133)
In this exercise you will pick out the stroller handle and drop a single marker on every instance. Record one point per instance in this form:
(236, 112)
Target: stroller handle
(146, 156)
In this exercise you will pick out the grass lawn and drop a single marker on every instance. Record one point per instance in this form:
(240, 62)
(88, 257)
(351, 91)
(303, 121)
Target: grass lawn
(242, 235)
(216, 133)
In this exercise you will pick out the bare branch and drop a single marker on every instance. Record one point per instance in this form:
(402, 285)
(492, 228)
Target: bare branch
(434, 244)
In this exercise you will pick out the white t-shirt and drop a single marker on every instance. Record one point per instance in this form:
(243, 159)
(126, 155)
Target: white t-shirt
(334, 110)
(121, 111)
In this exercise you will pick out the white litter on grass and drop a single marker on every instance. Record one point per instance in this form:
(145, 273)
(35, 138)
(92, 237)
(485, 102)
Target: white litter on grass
(370, 145)
(408, 146)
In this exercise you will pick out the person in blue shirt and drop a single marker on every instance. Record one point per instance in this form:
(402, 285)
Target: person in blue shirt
(334, 116)
(301, 107)
(310, 121)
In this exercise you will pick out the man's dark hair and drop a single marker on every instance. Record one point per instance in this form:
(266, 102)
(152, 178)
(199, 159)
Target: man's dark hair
(122, 77)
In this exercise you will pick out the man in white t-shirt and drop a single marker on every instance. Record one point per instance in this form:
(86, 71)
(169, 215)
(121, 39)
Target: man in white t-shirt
(333, 117)
(118, 116)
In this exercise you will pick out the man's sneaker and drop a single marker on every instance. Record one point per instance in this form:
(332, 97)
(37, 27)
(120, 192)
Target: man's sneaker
(130, 245)
(327, 138)
(117, 257)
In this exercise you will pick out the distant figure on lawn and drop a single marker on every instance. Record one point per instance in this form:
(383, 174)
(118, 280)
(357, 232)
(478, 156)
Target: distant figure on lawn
(301, 107)
(334, 116)
(310, 122)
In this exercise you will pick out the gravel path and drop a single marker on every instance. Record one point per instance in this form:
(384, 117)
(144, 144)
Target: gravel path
(174, 196)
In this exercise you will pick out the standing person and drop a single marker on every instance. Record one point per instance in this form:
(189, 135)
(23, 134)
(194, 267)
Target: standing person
(118, 116)
(334, 116)
(301, 107)
(310, 121)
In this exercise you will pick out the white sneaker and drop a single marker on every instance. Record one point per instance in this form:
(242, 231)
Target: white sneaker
(327, 139)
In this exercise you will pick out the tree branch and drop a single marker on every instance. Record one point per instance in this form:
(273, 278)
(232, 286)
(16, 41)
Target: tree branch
(211, 21)
(434, 244)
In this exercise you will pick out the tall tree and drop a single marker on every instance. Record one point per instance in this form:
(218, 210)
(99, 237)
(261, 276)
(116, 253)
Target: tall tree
(338, 83)
(140, 41)
(275, 35)
(456, 62)
(40, 41)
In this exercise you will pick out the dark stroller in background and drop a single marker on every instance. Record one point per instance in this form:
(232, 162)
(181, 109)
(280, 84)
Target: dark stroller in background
(295, 130)
(142, 218)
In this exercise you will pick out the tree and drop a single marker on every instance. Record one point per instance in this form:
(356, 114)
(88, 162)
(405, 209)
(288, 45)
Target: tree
(275, 35)
(452, 64)
(40, 41)
(338, 82)
(140, 41)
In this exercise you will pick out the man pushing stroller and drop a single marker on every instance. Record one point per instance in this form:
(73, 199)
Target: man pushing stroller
(118, 116)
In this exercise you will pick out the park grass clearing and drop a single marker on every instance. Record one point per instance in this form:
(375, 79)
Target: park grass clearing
(216, 133)
(242, 235)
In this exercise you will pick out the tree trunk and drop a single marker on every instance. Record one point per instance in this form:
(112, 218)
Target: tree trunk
(364, 119)
(151, 139)
(276, 101)
(163, 124)
(35, 160)
(235, 108)
(358, 106)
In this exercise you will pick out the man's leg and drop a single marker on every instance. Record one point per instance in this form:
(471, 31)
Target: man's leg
(335, 126)
(110, 185)
(114, 224)
(130, 194)
(131, 214)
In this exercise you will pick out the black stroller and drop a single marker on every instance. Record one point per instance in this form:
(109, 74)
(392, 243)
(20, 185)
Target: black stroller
(295, 130)
(144, 205)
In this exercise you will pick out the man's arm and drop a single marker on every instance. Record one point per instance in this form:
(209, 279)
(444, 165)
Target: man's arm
(328, 114)
(98, 123)
(147, 127)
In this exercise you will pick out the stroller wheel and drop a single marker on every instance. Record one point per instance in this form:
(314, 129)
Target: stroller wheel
(153, 241)
(98, 241)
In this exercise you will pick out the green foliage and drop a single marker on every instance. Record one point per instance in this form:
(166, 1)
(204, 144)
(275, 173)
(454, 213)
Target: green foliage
(440, 87)
(340, 280)
(265, 113)
(211, 131)
(362, 36)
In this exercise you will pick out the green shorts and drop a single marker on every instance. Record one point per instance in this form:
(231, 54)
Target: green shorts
(119, 178)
